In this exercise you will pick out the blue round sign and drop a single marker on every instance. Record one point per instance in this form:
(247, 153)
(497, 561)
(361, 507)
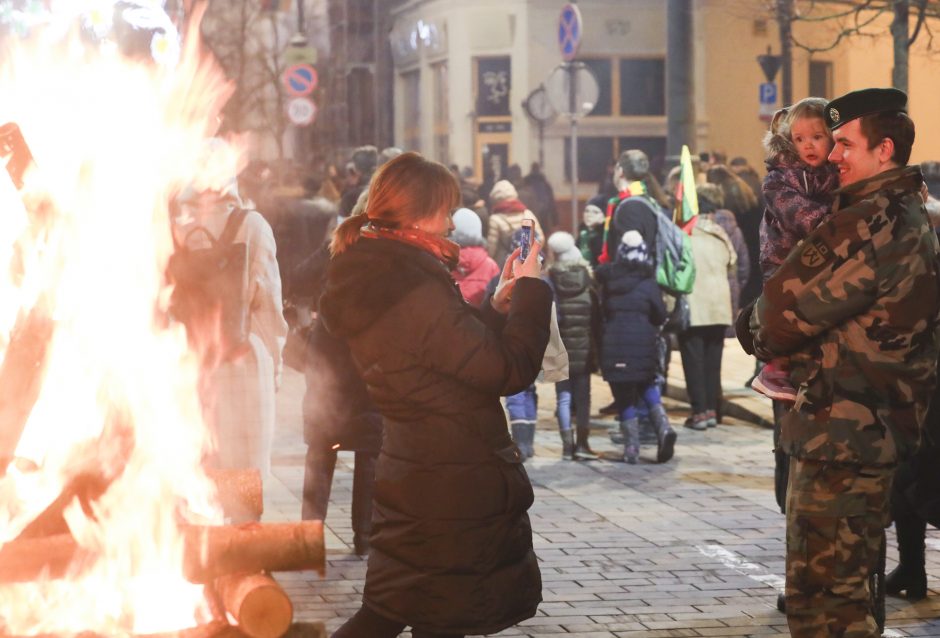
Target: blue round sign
(300, 79)
(569, 32)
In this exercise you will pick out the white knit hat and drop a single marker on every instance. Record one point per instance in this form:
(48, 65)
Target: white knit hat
(468, 228)
(632, 247)
(503, 189)
(563, 248)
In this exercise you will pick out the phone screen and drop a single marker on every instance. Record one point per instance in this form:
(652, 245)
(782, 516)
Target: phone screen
(526, 239)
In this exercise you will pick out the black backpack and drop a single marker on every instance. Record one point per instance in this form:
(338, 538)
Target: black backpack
(210, 294)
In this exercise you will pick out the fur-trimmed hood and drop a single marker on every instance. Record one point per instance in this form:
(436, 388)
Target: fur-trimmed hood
(779, 150)
(369, 278)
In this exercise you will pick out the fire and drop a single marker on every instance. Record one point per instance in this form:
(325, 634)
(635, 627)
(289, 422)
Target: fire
(112, 139)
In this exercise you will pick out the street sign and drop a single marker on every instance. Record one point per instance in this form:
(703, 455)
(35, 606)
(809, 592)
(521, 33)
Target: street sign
(558, 90)
(538, 107)
(300, 55)
(769, 64)
(300, 79)
(301, 111)
(569, 32)
(768, 100)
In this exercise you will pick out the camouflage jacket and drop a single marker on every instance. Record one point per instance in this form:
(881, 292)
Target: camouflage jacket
(857, 305)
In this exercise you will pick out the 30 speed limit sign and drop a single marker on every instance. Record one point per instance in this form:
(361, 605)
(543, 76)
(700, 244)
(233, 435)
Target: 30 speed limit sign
(301, 111)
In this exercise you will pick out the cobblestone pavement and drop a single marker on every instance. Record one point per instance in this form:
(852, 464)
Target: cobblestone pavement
(693, 547)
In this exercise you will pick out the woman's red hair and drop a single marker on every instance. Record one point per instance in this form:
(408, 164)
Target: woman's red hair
(403, 191)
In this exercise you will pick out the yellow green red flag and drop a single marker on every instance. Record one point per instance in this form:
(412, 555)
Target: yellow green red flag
(686, 198)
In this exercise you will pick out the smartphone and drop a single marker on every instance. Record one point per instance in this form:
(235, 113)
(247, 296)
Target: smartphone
(528, 236)
(14, 152)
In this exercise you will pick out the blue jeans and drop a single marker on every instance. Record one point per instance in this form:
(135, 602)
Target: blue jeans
(576, 389)
(628, 395)
(523, 406)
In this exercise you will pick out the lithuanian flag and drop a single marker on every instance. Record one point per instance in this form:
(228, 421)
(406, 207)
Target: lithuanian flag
(686, 199)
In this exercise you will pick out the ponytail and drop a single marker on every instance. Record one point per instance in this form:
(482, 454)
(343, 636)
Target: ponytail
(347, 233)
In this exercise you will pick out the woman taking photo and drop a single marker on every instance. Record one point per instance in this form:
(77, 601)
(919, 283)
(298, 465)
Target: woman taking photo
(451, 545)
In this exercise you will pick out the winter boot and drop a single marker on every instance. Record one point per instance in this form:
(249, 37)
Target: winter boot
(529, 438)
(665, 435)
(567, 444)
(631, 440)
(583, 451)
(518, 430)
(909, 575)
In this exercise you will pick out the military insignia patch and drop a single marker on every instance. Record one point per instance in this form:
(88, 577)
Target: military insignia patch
(815, 254)
(834, 115)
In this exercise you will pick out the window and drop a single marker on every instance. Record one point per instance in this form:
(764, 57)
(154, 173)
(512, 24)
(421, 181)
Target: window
(411, 93)
(820, 78)
(441, 113)
(494, 80)
(601, 67)
(594, 156)
(642, 86)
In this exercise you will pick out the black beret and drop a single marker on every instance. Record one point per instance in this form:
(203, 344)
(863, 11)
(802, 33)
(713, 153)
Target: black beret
(864, 102)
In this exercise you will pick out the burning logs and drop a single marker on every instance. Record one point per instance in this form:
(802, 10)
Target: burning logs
(259, 605)
(240, 495)
(209, 551)
(21, 372)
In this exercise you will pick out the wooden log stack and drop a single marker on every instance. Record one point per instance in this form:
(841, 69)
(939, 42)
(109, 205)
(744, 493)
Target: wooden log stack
(232, 561)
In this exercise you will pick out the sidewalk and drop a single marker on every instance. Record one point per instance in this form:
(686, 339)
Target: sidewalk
(737, 401)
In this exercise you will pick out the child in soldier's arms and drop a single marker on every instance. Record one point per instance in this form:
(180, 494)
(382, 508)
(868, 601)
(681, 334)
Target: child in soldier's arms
(799, 193)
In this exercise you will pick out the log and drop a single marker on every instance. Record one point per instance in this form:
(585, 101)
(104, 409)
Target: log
(260, 606)
(211, 552)
(21, 376)
(241, 493)
(208, 553)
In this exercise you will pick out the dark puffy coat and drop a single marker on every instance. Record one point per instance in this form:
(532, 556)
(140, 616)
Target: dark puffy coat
(916, 487)
(576, 303)
(633, 313)
(451, 546)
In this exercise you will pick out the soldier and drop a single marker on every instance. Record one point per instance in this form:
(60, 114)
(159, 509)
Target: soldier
(856, 305)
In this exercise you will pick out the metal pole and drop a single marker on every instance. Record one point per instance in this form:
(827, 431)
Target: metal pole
(300, 18)
(542, 144)
(572, 106)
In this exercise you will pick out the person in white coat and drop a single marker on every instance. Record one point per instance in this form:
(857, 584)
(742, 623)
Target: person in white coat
(237, 389)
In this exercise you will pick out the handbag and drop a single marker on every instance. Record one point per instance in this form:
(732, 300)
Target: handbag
(679, 319)
(555, 360)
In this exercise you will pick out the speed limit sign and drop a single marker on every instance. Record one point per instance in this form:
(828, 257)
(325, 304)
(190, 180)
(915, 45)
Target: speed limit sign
(301, 111)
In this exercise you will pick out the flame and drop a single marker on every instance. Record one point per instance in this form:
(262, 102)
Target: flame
(113, 140)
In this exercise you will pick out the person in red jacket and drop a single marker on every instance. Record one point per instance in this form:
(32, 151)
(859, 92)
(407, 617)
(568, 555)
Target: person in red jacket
(475, 268)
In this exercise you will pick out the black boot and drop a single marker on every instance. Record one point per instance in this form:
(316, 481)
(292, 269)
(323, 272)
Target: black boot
(665, 435)
(583, 451)
(567, 444)
(909, 575)
(523, 434)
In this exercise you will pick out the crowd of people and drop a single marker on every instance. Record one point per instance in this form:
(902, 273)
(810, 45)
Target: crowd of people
(423, 307)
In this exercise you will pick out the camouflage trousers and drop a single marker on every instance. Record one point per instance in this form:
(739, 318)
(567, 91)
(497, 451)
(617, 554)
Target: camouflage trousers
(836, 519)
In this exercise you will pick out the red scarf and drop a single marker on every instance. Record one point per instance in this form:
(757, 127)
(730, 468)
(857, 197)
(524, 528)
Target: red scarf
(446, 251)
(508, 206)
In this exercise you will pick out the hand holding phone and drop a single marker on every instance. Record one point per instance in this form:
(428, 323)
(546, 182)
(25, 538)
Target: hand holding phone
(528, 236)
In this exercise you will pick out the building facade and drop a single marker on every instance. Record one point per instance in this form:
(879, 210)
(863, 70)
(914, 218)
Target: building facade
(461, 71)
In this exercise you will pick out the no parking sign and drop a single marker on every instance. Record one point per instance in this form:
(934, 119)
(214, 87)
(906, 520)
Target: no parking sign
(299, 79)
